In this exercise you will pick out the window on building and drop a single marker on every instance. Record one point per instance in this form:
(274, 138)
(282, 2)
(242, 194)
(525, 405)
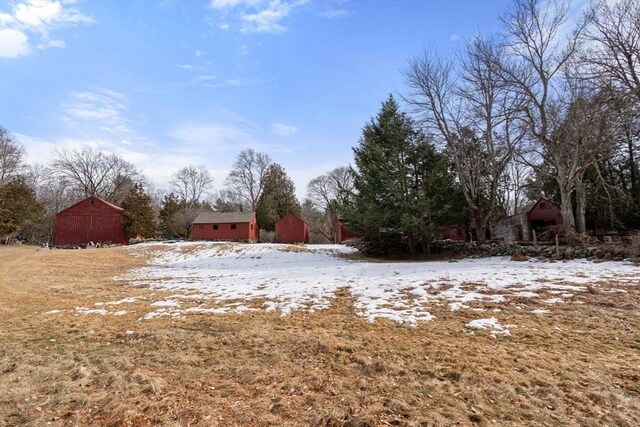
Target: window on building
(233, 226)
(93, 201)
(201, 226)
(252, 226)
(543, 205)
(215, 226)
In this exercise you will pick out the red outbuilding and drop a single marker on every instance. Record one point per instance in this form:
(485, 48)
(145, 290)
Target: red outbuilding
(291, 229)
(90, 220)
(543, 214)
(341, 233)
(226, 226)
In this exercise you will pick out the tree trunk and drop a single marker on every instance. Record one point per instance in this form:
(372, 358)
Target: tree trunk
(635, 187)
(581, 226)
(566, 208)
(481, 233)
(412, 243)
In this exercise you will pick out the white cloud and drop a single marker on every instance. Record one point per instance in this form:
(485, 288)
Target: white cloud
(254, 16)
(196, 136)
(37, 19)
(13, 43)
(454, 37)
(53, 43)
(334, 13)
(281, 129)
(6, 19)
(228, 4)
(205, 78)
(103, 107)
(268, 20)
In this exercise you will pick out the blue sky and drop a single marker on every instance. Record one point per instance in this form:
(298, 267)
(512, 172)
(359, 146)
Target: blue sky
(171, 83)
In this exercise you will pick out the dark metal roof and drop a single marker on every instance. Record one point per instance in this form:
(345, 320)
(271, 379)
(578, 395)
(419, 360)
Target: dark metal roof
(210, 217)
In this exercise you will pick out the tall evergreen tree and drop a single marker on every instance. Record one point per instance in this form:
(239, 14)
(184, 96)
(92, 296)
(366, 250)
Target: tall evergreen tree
(138, 206)
(20, 212)
(401, 182)
(171, 207)
(278, 197)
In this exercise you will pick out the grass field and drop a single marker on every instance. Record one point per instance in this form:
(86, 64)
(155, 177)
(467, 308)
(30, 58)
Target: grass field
(578, 365)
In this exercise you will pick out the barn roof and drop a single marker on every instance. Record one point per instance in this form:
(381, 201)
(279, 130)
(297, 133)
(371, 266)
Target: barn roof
(210, 217)
(111, 205)
(293, 215)
(542, 199)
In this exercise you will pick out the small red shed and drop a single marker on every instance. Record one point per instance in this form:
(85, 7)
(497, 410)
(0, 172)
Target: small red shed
(544, 213)
(291, 229)
(225, 226)
(90, 220)
(340, 233)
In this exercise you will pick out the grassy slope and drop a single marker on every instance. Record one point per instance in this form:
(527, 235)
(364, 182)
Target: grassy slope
(578, 366)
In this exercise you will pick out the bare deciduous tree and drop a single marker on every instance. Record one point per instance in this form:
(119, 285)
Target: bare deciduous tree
(612, 51)
(227, 201)
(246, 179)
(325, 193)
(328, 188)
(94, 172)
(473, 114)
(536, 53)
(191, 183)
(10, 156)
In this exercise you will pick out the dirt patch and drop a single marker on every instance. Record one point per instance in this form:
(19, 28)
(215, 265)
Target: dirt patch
(577, 365)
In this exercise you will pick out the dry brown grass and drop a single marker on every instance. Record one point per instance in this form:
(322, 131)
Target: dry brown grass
(577, 366)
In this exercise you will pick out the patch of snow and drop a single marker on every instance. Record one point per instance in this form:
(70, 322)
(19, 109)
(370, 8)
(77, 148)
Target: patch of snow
(87, 310)
(308, 280)
(541, 311)
(455, 306)
(491, 323)
(53, 312)
(129, 332)
(119, 313)
(166, 303)
(554, 301)
(163, 312)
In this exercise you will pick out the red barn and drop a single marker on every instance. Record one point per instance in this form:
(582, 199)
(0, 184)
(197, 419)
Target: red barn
(90, 220)
(226, 226)
(544, 213)
(291, 229)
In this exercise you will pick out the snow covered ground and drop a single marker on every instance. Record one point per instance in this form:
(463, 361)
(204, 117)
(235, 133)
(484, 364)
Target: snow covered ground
(292, 278)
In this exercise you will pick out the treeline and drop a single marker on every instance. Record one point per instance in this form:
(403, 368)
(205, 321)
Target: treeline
(31, 195)
(548, 105)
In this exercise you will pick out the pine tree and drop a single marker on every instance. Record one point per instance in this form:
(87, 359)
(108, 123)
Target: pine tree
(138, 207)
(277, 199)
(171, 207)
(20, 212)
(402, 184)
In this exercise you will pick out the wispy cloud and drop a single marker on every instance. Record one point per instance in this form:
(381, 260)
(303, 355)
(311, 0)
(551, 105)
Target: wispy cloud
(454, 37)
(104, 108)
(254, 16)
(198, 136)
(205, 78)
(334, 13)
(281, 129)
(36, 19)
(233, 82)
